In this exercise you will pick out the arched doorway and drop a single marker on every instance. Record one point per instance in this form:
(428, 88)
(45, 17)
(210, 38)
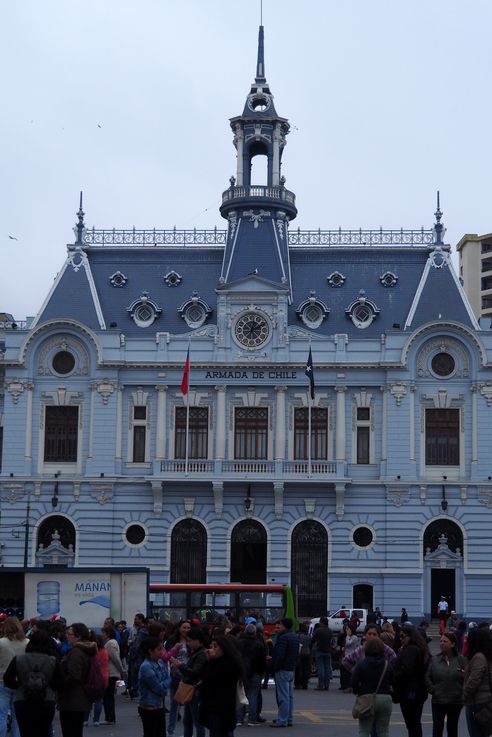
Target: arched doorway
(248, 552)
(309, 568)
(443, 565)
(55, 542)
(188, 552)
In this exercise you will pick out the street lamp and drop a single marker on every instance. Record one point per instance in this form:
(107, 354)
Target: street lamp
(54, 498)
(444, 501)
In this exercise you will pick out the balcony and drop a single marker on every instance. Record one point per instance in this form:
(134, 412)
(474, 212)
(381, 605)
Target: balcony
(235, 470)
(261, 196)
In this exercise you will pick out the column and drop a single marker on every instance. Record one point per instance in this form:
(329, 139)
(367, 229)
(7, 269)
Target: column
(239, 140)
(28, 436)
(340, 424)
(384, 425)
(92, 389)
(160, 439)
(276, 156)
(119, 420)
(474, 449)
(280, 424)
(411, 423)
(220, 425)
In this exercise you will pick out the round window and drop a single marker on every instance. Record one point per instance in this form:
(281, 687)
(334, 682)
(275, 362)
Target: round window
(442, 364)
(135, 534)
(63, 362)
(363, 537)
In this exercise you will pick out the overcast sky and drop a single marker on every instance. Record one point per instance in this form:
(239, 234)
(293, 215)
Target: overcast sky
(130, 100)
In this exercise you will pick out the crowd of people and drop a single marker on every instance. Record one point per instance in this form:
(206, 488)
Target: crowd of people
(47, 665)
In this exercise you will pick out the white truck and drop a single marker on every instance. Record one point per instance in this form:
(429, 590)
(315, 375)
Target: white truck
(86, 595)
(336, 619)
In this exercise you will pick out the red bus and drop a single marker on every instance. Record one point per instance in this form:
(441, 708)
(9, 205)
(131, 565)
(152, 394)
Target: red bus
(212, 603)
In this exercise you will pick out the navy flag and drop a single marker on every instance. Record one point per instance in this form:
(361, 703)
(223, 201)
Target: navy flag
(310, 373)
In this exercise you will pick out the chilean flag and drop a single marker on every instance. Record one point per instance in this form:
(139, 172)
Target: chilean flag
(185, 381)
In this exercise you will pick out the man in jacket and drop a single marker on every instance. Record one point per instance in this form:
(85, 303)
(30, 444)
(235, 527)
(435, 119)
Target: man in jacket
(254, 660)
(284, 659)
(322, 637)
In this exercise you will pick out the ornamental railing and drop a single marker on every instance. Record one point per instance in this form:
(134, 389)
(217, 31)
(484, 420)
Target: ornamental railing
(360, 237)
(137, 237)
(273, 193)
(13, 324)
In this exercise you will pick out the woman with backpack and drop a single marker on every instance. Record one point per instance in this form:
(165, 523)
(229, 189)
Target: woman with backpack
(73, 699)
(35, 677)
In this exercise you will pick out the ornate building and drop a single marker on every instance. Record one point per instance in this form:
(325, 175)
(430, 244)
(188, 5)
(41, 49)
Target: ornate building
(376, 491)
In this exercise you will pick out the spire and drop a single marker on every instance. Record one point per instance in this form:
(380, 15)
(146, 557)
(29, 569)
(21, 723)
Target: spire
(438, 228)
(260, 64)
(80, 225)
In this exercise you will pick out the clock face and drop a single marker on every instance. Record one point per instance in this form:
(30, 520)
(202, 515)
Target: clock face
(252, 330)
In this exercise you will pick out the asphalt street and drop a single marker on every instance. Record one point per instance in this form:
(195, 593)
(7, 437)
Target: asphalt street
(316, 713)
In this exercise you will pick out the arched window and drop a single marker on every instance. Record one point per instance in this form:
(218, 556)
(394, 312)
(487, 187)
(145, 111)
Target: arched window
(446, 527)
(248, 552)
(189, 552)
(56, 524)
(309, 568)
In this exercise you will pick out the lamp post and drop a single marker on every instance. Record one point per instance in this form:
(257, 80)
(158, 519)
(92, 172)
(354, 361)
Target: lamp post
(54, 498)
(248, 500)
(26, 531)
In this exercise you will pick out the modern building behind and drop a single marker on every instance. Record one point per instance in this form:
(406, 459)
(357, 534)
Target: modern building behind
(475, 252)
(376, 491)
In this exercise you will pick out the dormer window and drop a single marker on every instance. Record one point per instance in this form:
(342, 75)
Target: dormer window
(362, 311)
(194, 311)
(173, 279)
(388, 279)
(336, 279)
(312, 311)
(144, 311)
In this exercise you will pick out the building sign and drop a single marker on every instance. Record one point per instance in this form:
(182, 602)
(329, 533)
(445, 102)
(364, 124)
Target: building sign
(274, 374)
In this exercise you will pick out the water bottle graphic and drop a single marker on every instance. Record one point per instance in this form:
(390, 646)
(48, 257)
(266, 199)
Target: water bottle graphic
(48, 598)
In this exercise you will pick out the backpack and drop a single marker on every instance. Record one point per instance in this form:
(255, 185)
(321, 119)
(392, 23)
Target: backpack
(94, 686)
(35, 685)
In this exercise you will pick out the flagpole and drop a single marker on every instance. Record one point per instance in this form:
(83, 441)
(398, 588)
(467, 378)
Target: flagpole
(309, 419)
(187, 417)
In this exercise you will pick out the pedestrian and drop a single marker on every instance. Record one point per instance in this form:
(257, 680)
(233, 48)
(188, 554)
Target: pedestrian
(388, 634)
(322, 641)
(442, 613)
(371, 632)
(73, 702)
(115, 672)
(350, 644)
(135, 657)
(34, 718)
(254, 661)
(304, 662)
(12, 643)
(191, 672)
(103, 660)
(444, 681)
(477, 689)
(285, 653)
(408, 678)
(221, 674)
(404, 616)
(153, 682)
(367, 674)
(178, 644)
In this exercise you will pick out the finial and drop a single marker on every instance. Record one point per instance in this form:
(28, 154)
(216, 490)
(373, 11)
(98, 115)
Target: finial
(80, 226)
(260, 64)
(438, 228)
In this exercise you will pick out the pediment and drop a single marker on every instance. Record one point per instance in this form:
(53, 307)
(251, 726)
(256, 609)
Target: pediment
(252, 283)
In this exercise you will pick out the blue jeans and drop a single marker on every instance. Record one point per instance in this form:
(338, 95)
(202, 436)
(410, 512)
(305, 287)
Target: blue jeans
(6, 706)
(324, 668)
(253, 692)
(284, 690)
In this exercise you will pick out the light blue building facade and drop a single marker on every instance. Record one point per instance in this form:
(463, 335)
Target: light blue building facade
(376, 491)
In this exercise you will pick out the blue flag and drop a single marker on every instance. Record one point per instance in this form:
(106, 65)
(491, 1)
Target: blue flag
(310, 373)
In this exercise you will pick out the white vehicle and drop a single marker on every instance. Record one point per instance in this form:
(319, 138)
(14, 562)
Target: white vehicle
(336, 619)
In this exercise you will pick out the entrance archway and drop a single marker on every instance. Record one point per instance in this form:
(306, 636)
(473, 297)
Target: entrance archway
(248, 552)
(443, 565)
(309, 568)
(189, 552)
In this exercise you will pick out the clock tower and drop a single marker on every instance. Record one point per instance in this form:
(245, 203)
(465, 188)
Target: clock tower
(258, 214)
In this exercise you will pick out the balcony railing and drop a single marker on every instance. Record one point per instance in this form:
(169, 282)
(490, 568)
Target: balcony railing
(361, 237)
(230, 469)
(272, 193)
(137, 237)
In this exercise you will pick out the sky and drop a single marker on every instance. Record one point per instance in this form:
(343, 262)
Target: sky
(130, 100)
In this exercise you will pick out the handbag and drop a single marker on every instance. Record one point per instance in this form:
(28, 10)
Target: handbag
(484, 714)
(364, 707)
(184, 693)
(241, 698)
